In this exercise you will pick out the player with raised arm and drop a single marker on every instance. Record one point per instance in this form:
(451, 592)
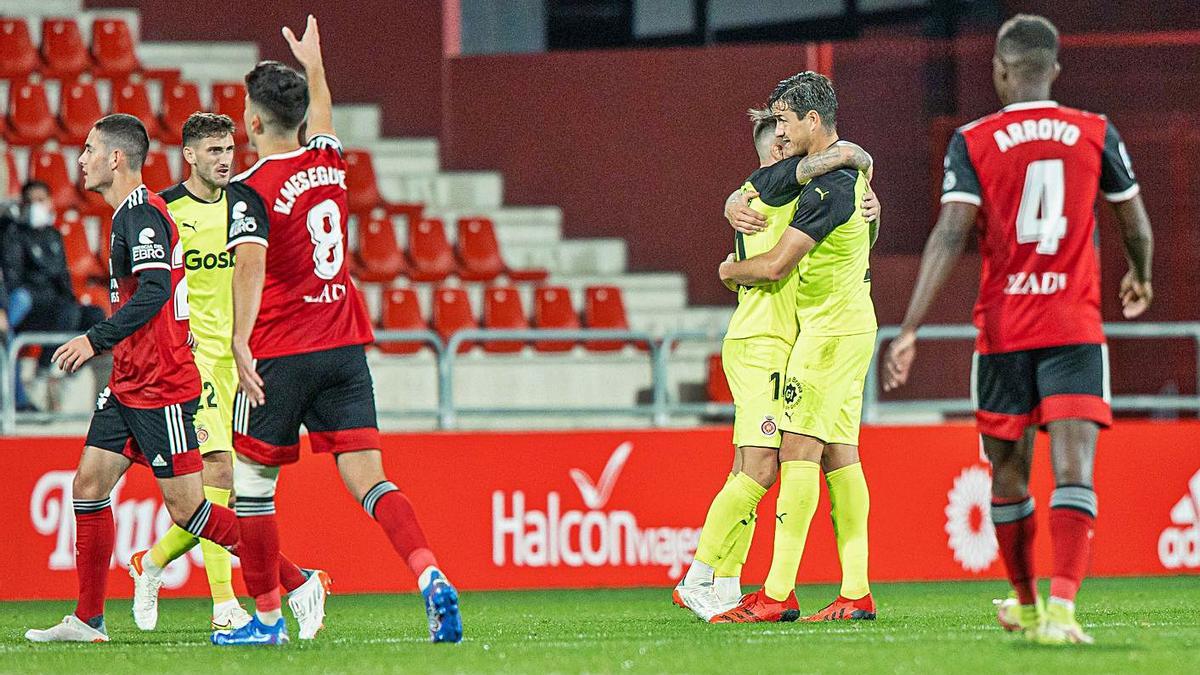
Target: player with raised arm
(145, 413)
(754, 355)
(199, 207)
(1029, 174)
(299, 336)
(827, 246)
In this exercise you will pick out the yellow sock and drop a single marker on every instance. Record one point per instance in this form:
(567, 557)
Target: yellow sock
(216, 559)
(173, 544)
(731, 565)
(850, 503)
(799, 491)
(731, 512)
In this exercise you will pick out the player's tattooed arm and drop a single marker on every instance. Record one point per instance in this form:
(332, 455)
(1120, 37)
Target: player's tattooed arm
(771, 266)
(739, 214)
(1136, 291)
(307, 50)
(843, 155)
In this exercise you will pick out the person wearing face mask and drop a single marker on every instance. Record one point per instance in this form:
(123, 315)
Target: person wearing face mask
(36, 275)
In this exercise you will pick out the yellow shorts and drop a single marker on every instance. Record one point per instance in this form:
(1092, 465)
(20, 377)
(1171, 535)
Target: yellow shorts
(823, 392)
(754, 368)
(214, 415)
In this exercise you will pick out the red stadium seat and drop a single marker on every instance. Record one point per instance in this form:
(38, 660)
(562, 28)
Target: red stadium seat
(156, 172)
(378, 258)
(717, 385)
(14, 178)
(360, 181)
(401, 311)
(50, 167)
(18, 57)
(452, 313)
(179, 101)
(81, 259)
(229, 98)
(130, 97)
(78, 110)
(604, 309)
(553, 311)
(429, 252)
(112, 48)
(92, 203)
(29, 118)
(63, 49)
(502, 310)
(93, 294)
(243, 159)
(478, 251)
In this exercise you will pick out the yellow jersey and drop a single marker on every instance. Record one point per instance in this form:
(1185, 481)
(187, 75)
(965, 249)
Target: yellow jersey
(768, 310)
(203, 232)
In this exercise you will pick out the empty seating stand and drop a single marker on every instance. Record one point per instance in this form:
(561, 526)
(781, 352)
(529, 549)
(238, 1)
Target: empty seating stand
(717, 385)
(378, 258)
(18, 57)
(63, 49)
(429, 253)
(29, 118)
(78, 110)
(401, 311)
(112, 49)
(553, 311)
(604, 309)
(229, 98)
(156, 171)
(479, 254)
(50, 167)
(130, 97)
(452, 313)
(179, 101)
(502, 310)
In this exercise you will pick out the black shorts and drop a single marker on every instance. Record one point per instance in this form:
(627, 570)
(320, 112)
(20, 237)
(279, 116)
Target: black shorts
(163, 439)
(1014, 390)
(330, 392)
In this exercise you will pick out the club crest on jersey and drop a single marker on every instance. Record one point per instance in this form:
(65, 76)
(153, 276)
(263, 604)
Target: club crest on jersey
(792, 392)
(147, 248)
(769, 427)
(201, 434)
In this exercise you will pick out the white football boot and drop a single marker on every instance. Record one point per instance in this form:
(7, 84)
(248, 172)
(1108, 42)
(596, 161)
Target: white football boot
(70, 630)
(308, 604)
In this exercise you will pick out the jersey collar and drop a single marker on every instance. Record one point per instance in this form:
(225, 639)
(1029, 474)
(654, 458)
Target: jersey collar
(1030, 105)
(128, 197)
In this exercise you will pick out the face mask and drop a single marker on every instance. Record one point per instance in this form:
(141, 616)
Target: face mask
(40, 215)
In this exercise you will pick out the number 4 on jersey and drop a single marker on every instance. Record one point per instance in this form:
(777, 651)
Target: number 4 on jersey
(1040, 216)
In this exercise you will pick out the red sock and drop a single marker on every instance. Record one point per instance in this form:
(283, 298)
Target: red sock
(94, 535)
(214, 523)
(1015, 531)
(395, 514)
(259, 553)
(1071, 533)
(290, 576)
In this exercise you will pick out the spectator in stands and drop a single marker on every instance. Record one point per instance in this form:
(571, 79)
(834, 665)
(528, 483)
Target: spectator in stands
(36, 276)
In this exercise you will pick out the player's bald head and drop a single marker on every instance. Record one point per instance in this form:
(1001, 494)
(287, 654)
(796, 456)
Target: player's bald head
(1027, 46)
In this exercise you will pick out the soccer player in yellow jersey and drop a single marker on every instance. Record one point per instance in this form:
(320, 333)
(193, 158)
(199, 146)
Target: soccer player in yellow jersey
(199, 206)
(827, 247)
(755, 353)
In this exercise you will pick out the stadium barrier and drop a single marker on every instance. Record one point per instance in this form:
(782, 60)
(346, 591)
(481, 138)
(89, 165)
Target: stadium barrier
(619, 508)
(663, 406)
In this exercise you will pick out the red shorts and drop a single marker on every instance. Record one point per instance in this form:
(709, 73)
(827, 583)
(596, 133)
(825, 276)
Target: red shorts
(329, 392)
(163, 439)
(1014, 390)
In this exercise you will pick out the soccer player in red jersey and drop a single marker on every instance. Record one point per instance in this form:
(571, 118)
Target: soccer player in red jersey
(1029, 174)
(299, 333)
(145, 413)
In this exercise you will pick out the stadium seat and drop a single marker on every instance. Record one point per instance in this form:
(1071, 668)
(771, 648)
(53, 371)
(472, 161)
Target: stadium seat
(92, 204)
(717, 385)
(452, 313)
(229, 98)
(429, 253)
(93, 294)
(78, 110)
(14, 178)
(361, 182)
(243, 159)
(478, 251)
(179, 101)
(401, 311)
(553, 311)
(81, 259)
(378, 258)
(156, 171)
(50, 167)
(29, 118)
(112, 48)
(63, 49)
(604, 309)
(502, 310)
(130, 97)
(18, 57)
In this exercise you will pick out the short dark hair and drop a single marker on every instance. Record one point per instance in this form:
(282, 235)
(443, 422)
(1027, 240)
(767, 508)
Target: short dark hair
(808, 91)
(1028, 44)
(201, 125)
(30, 186)
(281, 91)
(128, 134)
(764, 126)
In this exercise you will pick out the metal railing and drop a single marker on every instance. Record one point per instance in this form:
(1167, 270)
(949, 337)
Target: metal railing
(663, 406)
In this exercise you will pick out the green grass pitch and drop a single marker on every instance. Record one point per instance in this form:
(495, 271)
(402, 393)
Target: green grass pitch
(1140, 625)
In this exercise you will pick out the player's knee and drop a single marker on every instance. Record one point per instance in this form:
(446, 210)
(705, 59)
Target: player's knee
(218, 470)
(182, 506)
(761, 467)
(87, 486)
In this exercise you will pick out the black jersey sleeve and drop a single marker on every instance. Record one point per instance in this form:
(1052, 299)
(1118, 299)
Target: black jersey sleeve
(153, 291)
(959, 181)
(776, 184)
(248, 221)
(825, 203)
(146, 236)
(1117, 181)
(324, 141)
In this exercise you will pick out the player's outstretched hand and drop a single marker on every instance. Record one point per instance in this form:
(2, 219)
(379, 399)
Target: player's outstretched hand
(721, 270)
(740, 216)
(870, 206)
(898, 362)
(249, 380)
(307, 49)
(74, 354)
(1135, 296)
